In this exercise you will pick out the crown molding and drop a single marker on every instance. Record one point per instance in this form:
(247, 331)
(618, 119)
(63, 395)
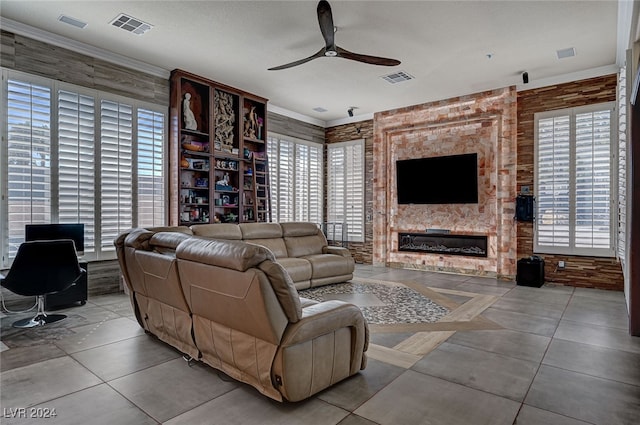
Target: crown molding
(82, 48)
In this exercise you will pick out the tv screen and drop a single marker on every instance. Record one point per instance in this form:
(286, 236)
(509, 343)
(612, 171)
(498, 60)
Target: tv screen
(438, 180)
(47, 232)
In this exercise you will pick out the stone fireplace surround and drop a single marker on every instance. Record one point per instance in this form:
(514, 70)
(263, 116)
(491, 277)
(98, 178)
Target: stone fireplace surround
(484, 123)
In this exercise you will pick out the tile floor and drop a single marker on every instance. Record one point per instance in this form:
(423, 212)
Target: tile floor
(505, 354)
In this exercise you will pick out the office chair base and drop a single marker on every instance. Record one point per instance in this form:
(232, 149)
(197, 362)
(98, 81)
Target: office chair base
(39, 320)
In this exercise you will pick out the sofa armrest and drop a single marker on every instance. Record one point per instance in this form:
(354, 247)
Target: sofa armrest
(336, 250)
(325, 317)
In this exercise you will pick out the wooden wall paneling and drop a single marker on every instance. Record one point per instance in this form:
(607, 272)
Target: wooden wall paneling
(291, 127)
(39, 58)
(592, 272)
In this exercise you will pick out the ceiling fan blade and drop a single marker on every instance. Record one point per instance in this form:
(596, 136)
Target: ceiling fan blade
(319, 54)
(325, 19)
(373, 60)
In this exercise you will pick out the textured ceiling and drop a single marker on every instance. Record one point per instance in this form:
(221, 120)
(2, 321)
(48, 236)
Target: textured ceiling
(450, 47)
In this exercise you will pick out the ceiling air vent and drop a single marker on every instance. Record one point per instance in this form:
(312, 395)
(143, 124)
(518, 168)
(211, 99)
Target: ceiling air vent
(131, 24)
(566, 53)
(320, 109)
(397, 77)
(72, 21)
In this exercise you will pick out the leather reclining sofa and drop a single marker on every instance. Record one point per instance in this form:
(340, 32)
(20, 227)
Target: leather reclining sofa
(232, 305)
(301, 248)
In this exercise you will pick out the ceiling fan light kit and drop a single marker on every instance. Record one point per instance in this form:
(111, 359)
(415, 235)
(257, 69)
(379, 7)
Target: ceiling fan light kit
(331, 50)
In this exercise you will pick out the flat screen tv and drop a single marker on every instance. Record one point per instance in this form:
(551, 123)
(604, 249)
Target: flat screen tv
(449, 179)
(47, 232)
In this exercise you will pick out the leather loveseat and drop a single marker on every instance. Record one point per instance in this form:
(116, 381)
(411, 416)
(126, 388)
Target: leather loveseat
(231, 305)
(301, 248)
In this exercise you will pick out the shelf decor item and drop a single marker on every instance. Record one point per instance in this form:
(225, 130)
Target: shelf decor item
(190, 122)
(225, 120)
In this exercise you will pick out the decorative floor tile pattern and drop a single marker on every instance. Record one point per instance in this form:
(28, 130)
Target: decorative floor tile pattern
(398, 303)
(416, 372)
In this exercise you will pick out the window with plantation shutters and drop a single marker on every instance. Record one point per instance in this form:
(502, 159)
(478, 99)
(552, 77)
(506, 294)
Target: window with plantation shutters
(116, 170)
(76, 162)
(74, 155)
(295, 176)
(345, 191)
(575, 181)
(151, 166)
(28, 161)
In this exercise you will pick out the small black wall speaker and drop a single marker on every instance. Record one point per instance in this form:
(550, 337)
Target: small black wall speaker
(524, 208)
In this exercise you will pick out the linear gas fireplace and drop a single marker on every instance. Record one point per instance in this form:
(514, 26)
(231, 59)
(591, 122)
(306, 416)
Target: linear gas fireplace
(444, 243)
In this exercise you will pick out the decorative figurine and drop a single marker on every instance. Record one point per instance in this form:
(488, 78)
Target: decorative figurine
(190, 122)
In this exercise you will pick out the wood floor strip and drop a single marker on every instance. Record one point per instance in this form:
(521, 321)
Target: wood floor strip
(470, 309)
(391, 356)
(423, 343)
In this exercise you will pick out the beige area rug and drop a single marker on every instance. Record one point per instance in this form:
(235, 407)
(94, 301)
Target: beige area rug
(430, 315)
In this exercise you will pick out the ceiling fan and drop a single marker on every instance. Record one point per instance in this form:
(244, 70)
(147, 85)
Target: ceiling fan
(325, 19)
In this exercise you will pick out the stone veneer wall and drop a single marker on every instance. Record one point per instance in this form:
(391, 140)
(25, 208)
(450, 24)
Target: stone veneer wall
(592, 272)
(484, 123)
(362, 251)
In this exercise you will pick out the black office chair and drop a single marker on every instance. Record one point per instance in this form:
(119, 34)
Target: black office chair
(41, 268)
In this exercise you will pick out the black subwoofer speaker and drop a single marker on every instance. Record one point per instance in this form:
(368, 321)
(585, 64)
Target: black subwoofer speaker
(530, 272)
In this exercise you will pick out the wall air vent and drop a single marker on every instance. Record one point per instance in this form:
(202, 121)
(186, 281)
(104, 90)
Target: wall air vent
(131, 24)
(397, 77)
(72, 21)
(566, 53)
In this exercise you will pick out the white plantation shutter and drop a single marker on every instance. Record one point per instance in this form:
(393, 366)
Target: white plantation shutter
(116, 171)
(151, 176)
(295, 176)
(302, 183)
(593, 180)
(346, 187)
(75, 155)
(28, 159)
(76, 163)
(315, 184)
(575, 181)
(553, 180)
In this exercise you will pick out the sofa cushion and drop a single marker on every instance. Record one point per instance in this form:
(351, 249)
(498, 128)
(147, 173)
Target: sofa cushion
(299, 229)
(179, 229)
(235, 255)
(283, 287)
(276, 245)
(260, 230)
(138, 239)
(167, 242)
(324, 265)
(298, 268)
(301, 246)
(219, 231)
